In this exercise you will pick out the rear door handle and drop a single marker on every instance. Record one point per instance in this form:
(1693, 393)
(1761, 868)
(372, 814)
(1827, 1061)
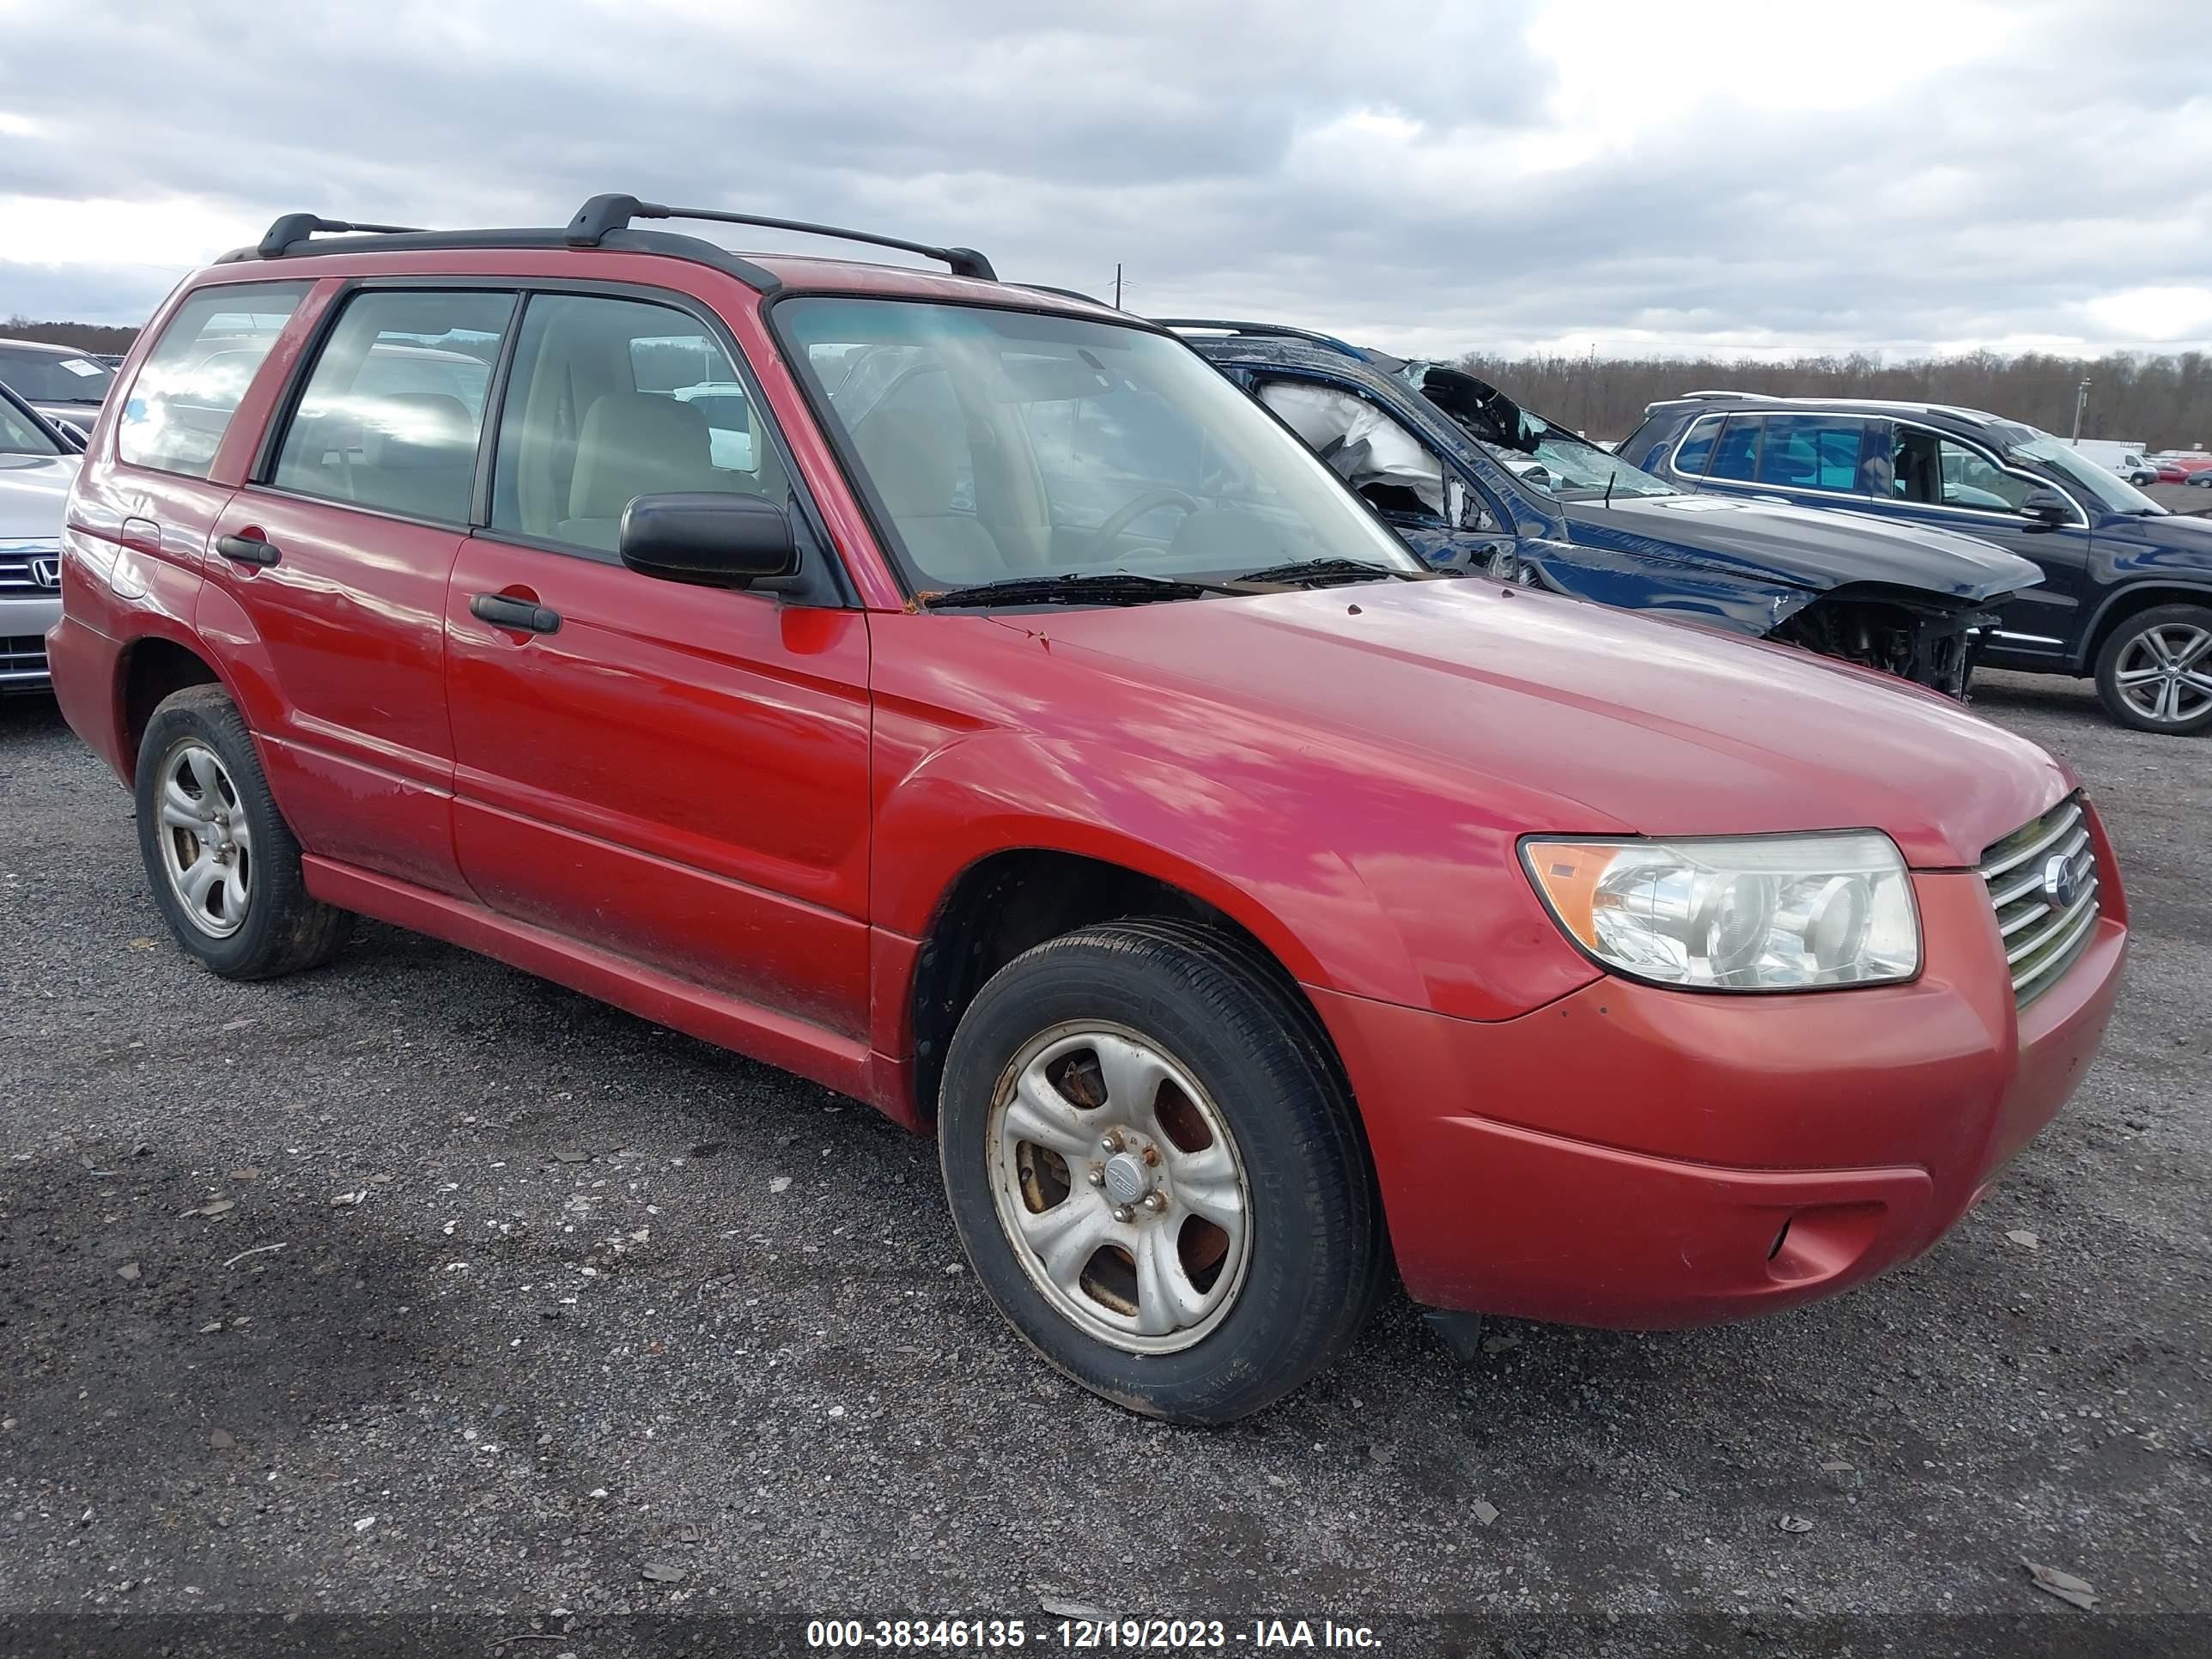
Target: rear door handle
(504, 612)
(248, 550)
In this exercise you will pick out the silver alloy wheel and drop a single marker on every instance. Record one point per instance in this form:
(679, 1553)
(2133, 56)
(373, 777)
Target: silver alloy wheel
(1120, 1188)
(2164, 673)
(207, 845)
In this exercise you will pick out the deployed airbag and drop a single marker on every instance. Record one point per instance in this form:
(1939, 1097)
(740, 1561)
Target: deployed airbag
(1362, 443)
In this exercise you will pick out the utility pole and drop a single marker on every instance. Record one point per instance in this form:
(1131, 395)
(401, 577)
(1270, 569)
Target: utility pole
(2080, 401)
(1117, 290)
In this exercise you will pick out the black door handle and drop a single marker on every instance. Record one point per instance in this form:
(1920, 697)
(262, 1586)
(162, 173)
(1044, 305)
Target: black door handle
(247, 550)
(504, 612)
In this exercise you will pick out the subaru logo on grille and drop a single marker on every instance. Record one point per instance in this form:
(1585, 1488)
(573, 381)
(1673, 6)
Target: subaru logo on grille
(2061, 885)
(46, 572)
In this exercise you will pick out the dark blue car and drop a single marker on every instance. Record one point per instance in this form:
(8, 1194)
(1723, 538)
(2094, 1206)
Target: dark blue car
(1468, 479)
(2126, 592)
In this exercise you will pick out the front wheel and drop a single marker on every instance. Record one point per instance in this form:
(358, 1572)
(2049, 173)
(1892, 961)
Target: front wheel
(1157, 1172)
(2155, 672)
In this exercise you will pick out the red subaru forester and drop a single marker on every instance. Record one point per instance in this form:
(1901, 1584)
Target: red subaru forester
(961, 694)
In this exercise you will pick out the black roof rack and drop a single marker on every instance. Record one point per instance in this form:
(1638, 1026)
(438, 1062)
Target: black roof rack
(603, 221)
(299, 226)
(1282, 330)
(603, 214)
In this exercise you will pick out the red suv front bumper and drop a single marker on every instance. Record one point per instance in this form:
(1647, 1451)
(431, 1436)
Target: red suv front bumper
(1634, 1156)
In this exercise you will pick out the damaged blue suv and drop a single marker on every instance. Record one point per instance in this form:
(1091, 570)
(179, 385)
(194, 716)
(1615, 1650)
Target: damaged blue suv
(2127, 591)
(1470, 480)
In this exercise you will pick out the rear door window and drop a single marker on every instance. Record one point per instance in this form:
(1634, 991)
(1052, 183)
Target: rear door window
(1735, 455)
(1812, 451)
(190, 383)
(395, 403)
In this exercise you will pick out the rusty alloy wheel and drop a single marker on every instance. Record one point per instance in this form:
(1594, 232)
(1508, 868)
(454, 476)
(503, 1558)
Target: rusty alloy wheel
(206, 840)
(1120, 1188)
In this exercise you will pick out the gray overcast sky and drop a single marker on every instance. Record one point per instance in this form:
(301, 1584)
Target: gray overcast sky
(1904, 177)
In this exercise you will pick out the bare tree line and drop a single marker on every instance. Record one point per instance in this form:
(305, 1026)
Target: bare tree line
(2162, 402)
(85, 337)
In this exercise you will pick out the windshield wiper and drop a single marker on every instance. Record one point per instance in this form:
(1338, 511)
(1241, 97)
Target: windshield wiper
(1108, 587)
(1318, 571)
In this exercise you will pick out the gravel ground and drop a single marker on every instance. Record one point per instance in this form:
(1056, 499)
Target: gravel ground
(417, 1285)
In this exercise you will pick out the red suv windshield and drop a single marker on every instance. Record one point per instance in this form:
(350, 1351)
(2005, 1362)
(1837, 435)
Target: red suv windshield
(998, 444)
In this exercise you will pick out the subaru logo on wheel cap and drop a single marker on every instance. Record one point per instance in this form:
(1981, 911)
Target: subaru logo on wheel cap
(46, 573)
(2060, 885)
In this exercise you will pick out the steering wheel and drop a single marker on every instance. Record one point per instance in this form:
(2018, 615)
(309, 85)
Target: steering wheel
(1127, 513)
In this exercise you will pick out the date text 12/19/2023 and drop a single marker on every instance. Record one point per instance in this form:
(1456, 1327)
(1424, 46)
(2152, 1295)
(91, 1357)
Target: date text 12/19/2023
(1086, 1634)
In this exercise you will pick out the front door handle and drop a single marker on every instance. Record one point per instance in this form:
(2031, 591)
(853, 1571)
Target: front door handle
(248, 550)
(504, 612)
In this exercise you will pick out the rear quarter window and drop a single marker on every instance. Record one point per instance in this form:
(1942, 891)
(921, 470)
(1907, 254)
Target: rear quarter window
(190, 383)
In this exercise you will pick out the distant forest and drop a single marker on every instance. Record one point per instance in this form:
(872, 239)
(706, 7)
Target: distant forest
(2160, 402)
(85, 337)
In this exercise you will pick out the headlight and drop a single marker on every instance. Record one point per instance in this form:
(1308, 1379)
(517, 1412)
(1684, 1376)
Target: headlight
(1767, 913)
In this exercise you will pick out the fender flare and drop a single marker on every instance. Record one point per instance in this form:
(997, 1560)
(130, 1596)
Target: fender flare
(1001, 792)
(2083, 657)
(166, 630)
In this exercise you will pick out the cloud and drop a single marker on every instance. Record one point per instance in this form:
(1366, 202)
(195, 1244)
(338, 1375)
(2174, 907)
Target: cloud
(1897, 175)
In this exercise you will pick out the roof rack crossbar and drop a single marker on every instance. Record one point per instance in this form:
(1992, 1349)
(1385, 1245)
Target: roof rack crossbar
(292, 228)
(605, 214)
(1279, 329)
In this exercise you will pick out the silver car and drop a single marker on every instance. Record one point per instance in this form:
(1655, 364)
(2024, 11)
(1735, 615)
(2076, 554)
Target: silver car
(36, 470)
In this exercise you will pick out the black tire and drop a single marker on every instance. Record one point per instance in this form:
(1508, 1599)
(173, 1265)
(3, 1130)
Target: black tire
(2198, 713)
(1317, 1255)
(282, 929)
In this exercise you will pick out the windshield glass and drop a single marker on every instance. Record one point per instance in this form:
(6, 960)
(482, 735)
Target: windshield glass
(1003, 444)
(2107, 489)
(20, 435)
(50, 377)
(1572, 469)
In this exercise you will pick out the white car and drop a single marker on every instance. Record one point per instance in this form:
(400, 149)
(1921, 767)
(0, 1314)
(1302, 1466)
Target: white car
(36, 470)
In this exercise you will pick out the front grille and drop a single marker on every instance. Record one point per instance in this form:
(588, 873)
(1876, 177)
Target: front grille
(22, 659)
(17, 574)
(2042, 884)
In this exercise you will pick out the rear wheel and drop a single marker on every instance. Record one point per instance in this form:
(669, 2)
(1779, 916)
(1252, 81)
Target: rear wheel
(2155, 671)
(1157, 1172)
(220, 860)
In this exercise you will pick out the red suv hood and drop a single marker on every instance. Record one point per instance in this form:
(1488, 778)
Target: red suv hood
(1622, 723)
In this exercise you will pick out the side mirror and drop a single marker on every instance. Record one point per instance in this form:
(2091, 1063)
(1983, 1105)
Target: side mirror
(2046, 509)
(707, 538)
